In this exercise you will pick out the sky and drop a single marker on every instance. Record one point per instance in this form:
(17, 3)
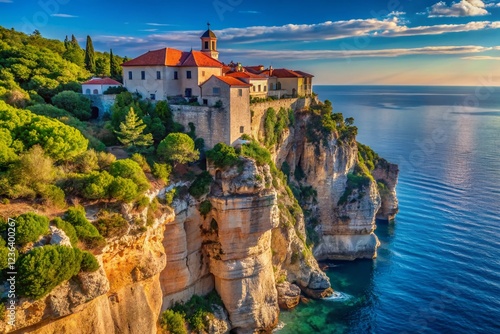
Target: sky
(377, 42)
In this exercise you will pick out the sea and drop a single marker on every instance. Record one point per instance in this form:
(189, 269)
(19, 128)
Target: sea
(438, 266)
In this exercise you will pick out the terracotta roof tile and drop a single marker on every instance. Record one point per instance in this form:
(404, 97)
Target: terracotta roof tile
(161, 57)
(284, 73)
(198, 59)
(230, 81)
(101, 81)
(304, 74)
(247, 75)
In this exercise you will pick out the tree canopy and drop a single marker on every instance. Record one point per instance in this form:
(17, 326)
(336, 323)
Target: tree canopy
(178, 148)
(131, 131)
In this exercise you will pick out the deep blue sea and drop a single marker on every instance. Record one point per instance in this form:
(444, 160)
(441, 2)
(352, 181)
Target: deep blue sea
(438, 267)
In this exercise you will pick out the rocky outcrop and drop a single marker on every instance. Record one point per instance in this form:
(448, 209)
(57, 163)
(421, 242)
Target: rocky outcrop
(288, 295)
(123, 296)
(387, 174)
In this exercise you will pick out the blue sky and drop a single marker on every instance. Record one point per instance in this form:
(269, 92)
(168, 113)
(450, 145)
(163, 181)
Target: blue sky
(422, 42)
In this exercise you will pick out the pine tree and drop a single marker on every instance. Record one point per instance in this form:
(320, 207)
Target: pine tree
(89, 56)
(131, 131)
(74, 52)
(114, 67)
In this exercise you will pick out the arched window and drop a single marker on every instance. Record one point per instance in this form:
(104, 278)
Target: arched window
(87, 91)
(278, 86)
(96, 91)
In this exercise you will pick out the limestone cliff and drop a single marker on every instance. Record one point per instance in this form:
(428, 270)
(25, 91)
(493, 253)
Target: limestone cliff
(123, 296)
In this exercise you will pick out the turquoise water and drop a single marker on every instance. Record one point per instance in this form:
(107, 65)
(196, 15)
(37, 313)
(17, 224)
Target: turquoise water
(438, 269)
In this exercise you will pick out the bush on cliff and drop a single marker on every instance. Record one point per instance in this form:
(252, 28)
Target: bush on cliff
(178, 148)
(201, 185)
(173, 322)
(67, 228)
(43, 268)
(30, 226)
(130, 169)
(89, 262)
(222, 155)
(85, 231)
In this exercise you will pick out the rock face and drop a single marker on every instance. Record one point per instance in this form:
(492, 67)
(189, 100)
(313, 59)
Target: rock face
(288, 295)
(388, 175)
(123, 296)
(243, 216)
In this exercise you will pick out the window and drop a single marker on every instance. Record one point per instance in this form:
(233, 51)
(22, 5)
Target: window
(242, 129)
(202, 73)
(188, 74)
(206, 45)
(158, 75)
(240, 92)
(271, 86)
(96, 91)
(213, 45)
(143, 75)
(176, 75)
(265, 88)
(152, 96)
(87, 91)
(216, 91)
(205, 102)
(259, 88)
(188, 92)
(253, 88)
(130, 75)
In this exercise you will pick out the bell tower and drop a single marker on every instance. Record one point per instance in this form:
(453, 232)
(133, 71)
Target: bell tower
(209, 43)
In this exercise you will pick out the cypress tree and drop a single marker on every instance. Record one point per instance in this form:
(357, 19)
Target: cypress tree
(89, 56)
(114, 67)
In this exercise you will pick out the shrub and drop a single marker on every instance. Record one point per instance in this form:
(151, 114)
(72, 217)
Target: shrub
(53, 195)
(68, 229)
(96, 185)
(141, 161)
(201, 185)
(205, 207)
(173, 322)
(4, 253)
(162, 171)
(129, 169)
(30, 226)
(75, 103)
(87, 162)
(111, 224)
(104, 159)
(123, 189)
(89, 262)
(115, 90)
(43, 268)
(169, 197)
(85, 231)
(223, 155)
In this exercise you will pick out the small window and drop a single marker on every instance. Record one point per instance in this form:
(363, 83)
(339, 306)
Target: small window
(259, 88)
(216, 91)
(206, 45)
(240, 92)
(205, 102)
(176, 75)
(96, 91)
(213, 45)
(87, 91)
(158, 75)
(188, 74)
(130, 75)
(253, 88)
(242, 129)
(265, 88)
(143, 75)
(152, 96)
(202, 73)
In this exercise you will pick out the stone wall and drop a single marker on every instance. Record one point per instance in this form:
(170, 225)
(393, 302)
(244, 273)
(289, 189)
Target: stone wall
(258, 111)
(102, 102)
(212, 124)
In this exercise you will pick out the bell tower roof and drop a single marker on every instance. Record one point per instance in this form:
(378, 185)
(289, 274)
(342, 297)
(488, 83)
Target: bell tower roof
(209, 33)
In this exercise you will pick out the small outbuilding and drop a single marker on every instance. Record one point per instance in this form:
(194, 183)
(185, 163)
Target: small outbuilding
(97, 86)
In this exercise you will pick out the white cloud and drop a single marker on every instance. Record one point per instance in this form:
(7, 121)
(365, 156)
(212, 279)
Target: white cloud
(336, 54)
(66, 16)
(249, 12)
(5, 1)
(158, 24)
(149, 30)
(481, 58)
(458, 9)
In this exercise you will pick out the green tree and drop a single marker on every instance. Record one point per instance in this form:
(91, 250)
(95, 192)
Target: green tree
(173, 322)
(130, 169)
(123, 189)
(75, 103)
(102, 66)
(73, 52)
(178, 148)
(89, 262)
(114, 66)
(131, 131)
(89, 56)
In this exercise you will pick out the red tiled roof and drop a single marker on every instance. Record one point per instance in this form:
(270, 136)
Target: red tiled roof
(247, 75)
(304, 74)
(284, 73)
(254, 69)
(229, 81)
(198, 59)
(173, 57)
(161, 57)
(102, 81)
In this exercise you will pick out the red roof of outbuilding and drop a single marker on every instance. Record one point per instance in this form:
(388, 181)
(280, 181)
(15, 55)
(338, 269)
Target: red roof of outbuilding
(101, 81)
(173, 57)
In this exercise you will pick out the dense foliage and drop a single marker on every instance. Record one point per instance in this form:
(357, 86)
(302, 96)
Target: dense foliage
(131, 132)
(43, 268)
(201, 185)
(222, 155)
(30, 226)
(76, 104)
(85, 231)
(276, 123)
(178, 148)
